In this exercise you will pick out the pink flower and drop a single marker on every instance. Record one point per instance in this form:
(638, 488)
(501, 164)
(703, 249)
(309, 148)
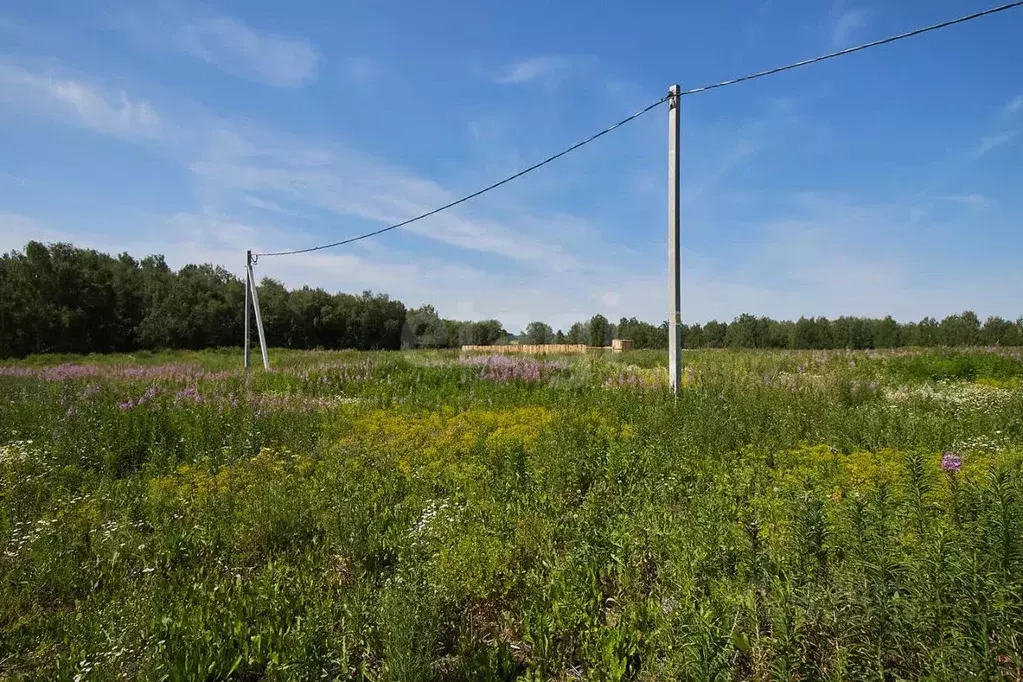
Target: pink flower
(190, 393)
(951, 462)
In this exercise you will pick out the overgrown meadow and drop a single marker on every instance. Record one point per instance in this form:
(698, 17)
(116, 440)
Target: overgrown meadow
(425, 516)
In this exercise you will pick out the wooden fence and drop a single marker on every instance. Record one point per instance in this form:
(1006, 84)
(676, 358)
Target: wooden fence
(543, 349)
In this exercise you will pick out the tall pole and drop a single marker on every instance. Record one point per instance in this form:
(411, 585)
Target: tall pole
(248, 283)
(674, 230)
(255, 309)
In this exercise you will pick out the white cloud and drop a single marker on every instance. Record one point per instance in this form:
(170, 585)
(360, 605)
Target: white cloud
(17, 230)
(748, 142)
(247, 53)
(992, 142)
(108, 111)
(820, 256)
(363, 187)
(823, 255)
(1013, 106)
(264, 205)
(533, 69)
(846, 25)
(973, 200)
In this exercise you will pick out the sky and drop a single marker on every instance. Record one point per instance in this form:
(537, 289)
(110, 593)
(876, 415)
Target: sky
(885, 182)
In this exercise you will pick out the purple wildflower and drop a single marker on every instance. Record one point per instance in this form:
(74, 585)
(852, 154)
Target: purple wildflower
(504, 368)
(150, 393)
(126, 405)
(951, 462)
(623, 380)
(190, 393)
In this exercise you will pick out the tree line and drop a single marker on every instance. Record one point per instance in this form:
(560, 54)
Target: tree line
(59, 298)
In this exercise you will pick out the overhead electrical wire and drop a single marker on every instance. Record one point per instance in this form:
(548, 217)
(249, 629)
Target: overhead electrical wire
(477, 193)
(654, 105)
(857, 48)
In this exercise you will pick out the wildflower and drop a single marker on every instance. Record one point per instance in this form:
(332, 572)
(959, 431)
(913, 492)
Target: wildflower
(190, 393)
(951, 462)
(503, 368)
(126, 405)
(150, 393)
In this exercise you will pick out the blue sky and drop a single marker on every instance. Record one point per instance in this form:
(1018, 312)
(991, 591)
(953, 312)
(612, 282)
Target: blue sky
(883, 182)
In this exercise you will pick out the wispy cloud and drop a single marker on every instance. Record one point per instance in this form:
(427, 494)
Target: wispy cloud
(248, 53)
(747, 144)
(1012, 107)
(990, 143)
(108, 111)
(381, 195)
(730, 148)
(847, 23)
(973, 200)
(829, 254)
(264, 205)
(530, 69)
(319, 177)
(237, 168)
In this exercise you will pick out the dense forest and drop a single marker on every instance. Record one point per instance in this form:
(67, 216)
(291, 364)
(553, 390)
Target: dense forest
(59, 298)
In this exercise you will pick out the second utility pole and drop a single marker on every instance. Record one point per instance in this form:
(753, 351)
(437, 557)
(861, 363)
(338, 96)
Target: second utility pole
(674, 229)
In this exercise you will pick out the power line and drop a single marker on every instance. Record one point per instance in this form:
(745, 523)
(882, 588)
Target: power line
(850, 50)
(605, 131)
(477, 193)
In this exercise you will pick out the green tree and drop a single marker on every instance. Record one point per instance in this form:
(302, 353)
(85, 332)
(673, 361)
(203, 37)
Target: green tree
(598, 331)
(539, 333)
(424, 329)
(577, 334)
(887, 334)
(746, 331)
(960, 330)
(715, 334)
(1000, 332)
(929, 332)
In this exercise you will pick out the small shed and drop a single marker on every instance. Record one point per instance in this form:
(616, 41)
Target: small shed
(621, 345)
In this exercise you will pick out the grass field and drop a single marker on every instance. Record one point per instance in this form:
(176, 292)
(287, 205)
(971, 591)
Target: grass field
(420, 516)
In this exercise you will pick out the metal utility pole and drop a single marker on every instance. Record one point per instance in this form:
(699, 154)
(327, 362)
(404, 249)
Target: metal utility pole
(255, 309)
(248, 283)
(674, 230)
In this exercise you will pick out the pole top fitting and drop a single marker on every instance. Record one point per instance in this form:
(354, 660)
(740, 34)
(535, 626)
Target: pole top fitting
(674, 90)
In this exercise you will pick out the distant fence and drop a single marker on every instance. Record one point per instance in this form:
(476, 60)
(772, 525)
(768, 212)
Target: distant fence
(540, 349)
(617, 346)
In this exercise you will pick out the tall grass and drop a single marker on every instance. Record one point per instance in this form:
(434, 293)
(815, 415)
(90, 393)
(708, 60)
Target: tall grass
(406, 516)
